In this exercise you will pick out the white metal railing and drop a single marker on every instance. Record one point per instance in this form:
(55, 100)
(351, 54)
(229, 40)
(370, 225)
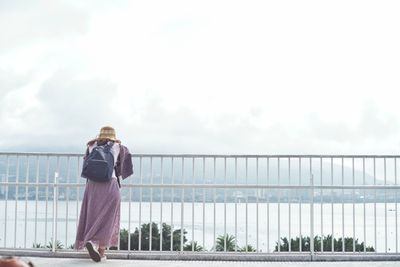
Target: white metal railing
(257, 199)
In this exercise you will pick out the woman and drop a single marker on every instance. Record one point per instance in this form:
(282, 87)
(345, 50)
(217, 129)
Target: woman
(99, 218)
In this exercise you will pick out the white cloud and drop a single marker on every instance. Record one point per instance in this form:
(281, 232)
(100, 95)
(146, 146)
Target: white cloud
(24, 22)
(215, 76)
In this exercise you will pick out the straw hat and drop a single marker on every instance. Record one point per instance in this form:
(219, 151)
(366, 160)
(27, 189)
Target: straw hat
(106, 133)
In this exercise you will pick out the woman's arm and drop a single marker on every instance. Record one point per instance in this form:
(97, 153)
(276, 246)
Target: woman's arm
(124, 166)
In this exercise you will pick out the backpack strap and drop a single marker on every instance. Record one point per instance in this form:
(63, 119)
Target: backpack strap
(109, 144)
(86, 154)
(119, 183)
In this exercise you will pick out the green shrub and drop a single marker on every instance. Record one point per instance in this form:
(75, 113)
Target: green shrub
(155, 238)
(327, 244)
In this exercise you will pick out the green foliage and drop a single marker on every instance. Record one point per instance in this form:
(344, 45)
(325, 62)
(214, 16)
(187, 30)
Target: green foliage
(193, 246)
(59, 245)
(230, 243)
(326, 242)
(38, 245)
(155, 238)
(248, 248)
(222, 240)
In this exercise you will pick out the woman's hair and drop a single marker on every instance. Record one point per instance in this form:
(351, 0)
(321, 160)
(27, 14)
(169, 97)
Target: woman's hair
(102, 141)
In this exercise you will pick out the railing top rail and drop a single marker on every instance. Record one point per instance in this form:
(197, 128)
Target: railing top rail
(178, 155)
(222, 186)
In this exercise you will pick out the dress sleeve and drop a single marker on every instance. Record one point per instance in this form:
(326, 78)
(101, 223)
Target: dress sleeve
(124, 166)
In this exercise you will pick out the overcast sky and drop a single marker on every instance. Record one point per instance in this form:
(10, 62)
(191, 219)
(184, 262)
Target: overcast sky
(201, 76)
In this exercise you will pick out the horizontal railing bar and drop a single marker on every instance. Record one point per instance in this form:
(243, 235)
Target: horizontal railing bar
(263, 156)
(217, 186)
(41, 154)
(204, 155)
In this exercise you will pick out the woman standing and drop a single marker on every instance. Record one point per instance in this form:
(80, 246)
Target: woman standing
(99, 218)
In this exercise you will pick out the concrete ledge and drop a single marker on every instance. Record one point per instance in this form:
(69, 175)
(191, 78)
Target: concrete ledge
(349, 256)
(221, 256)
(57, 254)
(207, 256)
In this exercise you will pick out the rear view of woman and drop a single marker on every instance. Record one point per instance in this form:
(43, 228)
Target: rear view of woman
(105, 161)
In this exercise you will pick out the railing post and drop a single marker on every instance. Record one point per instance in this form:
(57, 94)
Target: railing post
(311, 213)
(55, 197)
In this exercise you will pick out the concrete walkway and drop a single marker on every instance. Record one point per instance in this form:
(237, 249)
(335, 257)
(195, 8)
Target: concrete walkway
(61, 262)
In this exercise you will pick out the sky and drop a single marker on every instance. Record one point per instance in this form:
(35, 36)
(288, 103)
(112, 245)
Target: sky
(224, 77)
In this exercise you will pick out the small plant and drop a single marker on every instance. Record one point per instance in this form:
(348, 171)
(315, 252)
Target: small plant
(230, 243)
(248, 248)
(193, 246)
(59, 245)
(38, 245)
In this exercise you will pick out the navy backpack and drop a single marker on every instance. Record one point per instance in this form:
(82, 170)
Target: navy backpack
(98, 166)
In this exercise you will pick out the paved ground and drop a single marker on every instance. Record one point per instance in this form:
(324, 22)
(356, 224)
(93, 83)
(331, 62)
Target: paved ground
(61, 262)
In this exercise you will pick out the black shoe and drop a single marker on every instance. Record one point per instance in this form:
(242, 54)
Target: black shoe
(94, 254)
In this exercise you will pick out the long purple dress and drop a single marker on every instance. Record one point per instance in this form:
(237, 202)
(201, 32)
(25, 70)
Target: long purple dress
(100, 211)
